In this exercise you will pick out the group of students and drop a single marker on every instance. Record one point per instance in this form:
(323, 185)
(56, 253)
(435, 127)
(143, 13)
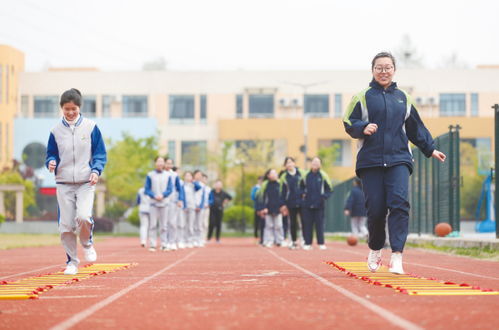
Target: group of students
(290, 200)
(185, 210)
(382, 117)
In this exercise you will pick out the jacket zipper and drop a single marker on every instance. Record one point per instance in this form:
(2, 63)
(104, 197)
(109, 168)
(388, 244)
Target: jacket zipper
(383, 154)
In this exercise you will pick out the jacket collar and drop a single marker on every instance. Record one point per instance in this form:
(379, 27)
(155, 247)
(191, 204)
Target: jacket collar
(78, 121)
(376, 85)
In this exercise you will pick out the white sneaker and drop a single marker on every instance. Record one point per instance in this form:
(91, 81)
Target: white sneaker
(268, 245)
(307, 247)
(374, 260)
(396, 264)
(152, 249)
(322, 247)
(90, 254)
(181, 245)
(173, 247)
(190, 246)
(71, 269)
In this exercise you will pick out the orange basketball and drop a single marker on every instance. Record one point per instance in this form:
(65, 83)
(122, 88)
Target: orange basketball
(352, 240)
(443, 229)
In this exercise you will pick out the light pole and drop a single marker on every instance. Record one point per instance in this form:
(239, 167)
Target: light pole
(304, 88)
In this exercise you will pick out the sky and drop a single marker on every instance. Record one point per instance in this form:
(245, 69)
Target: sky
(190, 35)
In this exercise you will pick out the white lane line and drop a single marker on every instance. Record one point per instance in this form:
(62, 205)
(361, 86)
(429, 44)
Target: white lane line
(31, 271)
(378, 310)
(428, 266)
(73, 320)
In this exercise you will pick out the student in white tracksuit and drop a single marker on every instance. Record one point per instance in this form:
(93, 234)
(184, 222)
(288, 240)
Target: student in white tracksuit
(206, 209)
(174, 207)
(201, 202)
(77, 154)
(189, 189)
(158, 186)
(144, 203)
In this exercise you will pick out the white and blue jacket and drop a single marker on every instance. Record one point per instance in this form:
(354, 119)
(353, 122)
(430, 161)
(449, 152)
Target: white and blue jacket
(158, 182)
(143, 201)
(189, 191)
(78, 151)
(177, 192)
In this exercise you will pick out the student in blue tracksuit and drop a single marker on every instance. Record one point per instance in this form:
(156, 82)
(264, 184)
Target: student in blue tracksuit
(270, 205)
(158, 187)
(259, 221)
(77, 154)
(290, 180)
(315, 188)
(355, 208)
(384, 119)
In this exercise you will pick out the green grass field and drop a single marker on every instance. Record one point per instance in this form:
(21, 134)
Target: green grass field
(12, 241)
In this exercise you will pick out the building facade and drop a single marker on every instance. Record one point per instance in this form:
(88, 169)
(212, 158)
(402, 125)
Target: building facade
(194, 112)
(11, 65)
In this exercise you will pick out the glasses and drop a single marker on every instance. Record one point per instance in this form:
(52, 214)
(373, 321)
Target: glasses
(380, 69)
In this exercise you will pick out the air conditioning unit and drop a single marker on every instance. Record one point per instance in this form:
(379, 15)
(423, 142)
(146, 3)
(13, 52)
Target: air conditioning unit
(297, 102)
(284, 103)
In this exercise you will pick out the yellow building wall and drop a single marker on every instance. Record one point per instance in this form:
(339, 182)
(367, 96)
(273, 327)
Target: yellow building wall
(11, 64)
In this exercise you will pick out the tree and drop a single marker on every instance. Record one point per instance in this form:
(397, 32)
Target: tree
(407, 54)
(472, 181)
(129, 161)
(222, 162)
(452, 61)
(11, 176)
(329, 155)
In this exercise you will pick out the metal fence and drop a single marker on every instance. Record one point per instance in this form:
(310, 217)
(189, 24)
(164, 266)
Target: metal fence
(433, 192)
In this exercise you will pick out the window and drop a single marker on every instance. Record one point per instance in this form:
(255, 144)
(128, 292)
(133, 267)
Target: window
(261, 105)
(24, 106)
(194, 154)
(336, 151)
(134, 106)
(88, 106)
(239, 106)
(317, 105)
(338, 111)
(203, 108)
(182, 108)
(107, 100)
(1, 140)
(46, 106)
(452, 105)
(474, 104)
(172, 150)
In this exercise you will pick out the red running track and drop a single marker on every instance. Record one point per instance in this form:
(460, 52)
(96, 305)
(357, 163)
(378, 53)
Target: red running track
(237, 285)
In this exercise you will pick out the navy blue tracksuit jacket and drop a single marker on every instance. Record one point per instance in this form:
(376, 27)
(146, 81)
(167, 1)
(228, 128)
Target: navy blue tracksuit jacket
(389, 145)
(272, 198)
(356, 203)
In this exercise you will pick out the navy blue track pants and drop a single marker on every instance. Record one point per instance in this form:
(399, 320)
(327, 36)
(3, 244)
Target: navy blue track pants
(387, 189)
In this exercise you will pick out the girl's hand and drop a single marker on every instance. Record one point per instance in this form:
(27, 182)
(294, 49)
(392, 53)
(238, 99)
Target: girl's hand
(438, 155)
(94, 178)
(159, 197)
(370, 129)
(264, 212)
(52, 166)
(284, 210)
